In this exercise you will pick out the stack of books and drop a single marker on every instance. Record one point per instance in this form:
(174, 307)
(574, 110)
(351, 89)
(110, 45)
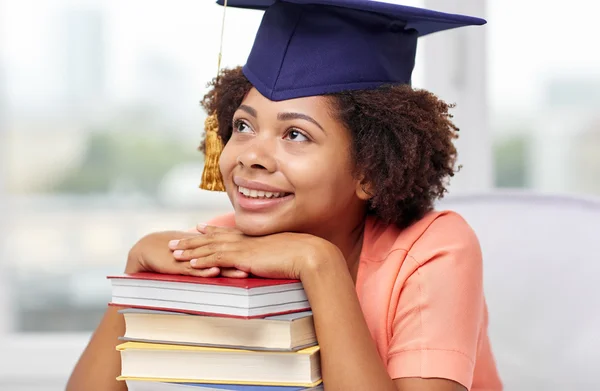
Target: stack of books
(208, 334)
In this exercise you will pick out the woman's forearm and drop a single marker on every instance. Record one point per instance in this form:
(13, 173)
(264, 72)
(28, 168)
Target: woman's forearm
(349, 358)
(100, 363)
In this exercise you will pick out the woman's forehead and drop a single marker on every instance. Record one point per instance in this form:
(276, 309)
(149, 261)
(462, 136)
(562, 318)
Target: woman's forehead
(310, 104)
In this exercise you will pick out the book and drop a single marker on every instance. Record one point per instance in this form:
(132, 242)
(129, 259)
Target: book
(288, 332)
(195, 364)
(140, 385)
(234, 297)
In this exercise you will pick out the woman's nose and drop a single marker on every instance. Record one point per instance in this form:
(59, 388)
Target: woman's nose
(259, 155)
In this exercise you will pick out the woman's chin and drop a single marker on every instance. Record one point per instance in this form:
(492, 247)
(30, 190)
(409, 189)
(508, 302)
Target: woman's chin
(257, 226)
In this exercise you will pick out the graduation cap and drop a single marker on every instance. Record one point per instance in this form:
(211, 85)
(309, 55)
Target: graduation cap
(316, 47)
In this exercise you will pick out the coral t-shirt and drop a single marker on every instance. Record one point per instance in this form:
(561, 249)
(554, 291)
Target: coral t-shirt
(421, 293)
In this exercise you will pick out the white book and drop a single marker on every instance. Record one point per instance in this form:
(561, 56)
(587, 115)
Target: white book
(289, 332)
(244, 298)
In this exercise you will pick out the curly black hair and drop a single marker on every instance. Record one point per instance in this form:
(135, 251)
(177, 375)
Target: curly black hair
(402, 141)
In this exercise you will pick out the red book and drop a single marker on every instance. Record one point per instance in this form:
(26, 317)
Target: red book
(234, 297)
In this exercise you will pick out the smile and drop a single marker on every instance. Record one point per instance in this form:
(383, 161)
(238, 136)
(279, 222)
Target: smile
(251, 193)
(260, 200)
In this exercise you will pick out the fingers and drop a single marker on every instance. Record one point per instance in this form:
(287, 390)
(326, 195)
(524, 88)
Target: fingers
(222, 260)
(185, 269)
(206, 229)
(211, 249)
(209, 254)
(203, 240)
(233, 273)
(207, 273)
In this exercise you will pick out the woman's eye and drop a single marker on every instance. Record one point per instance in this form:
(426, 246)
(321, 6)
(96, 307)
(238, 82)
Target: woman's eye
(295, 135)
(241, 127)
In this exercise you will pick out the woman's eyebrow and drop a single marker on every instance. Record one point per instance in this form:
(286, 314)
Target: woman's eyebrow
(290, 116)
(249, 110)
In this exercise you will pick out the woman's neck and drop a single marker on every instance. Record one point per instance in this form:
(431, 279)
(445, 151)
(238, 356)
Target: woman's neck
(350, 241)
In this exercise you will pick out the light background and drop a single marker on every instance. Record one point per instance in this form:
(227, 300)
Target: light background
(99, 121)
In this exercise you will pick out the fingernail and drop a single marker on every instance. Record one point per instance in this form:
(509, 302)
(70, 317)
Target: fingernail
(177, 253)
(173, 243)
(193, 262)
(201, 225)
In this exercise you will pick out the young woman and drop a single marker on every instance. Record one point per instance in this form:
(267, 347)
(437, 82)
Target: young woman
(332, 163)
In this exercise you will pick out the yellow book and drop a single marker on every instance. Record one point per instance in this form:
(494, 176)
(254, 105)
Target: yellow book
(181, 363)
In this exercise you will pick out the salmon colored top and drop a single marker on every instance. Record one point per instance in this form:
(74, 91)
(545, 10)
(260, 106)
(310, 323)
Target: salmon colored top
(421, 293)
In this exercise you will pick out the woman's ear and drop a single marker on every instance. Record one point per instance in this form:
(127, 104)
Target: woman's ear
(364, 190)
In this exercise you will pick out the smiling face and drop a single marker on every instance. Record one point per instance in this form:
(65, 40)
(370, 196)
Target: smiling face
(287, 168)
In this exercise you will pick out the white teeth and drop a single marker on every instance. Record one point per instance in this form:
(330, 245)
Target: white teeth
(258, 193)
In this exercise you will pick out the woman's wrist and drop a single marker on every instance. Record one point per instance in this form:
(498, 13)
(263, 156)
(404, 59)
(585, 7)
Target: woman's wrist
(134, 259)
(321, 257)
(132, 265)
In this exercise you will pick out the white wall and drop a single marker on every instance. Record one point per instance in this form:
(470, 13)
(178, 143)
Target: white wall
(456, 70)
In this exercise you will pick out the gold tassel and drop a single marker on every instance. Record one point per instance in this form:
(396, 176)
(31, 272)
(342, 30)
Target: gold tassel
(213, 145)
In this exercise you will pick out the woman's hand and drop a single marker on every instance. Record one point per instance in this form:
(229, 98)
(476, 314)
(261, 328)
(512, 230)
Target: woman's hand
(152, 254)
(283, 255)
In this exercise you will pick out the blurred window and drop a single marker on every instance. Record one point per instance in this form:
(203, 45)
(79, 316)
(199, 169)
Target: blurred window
(545, 95)
(100, 120)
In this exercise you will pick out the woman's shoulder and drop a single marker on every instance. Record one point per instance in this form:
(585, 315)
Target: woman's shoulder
(436, 231)
(225, 220)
